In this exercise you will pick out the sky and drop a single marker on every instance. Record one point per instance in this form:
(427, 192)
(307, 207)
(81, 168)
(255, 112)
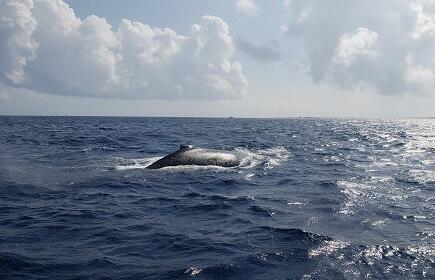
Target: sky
(218, 58)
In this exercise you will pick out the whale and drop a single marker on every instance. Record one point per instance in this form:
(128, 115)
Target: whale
(189, 155)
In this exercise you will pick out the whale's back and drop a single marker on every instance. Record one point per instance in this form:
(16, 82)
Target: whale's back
(187, 155)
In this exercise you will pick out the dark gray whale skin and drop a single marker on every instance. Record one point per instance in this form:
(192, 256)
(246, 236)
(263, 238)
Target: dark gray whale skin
(188, 155)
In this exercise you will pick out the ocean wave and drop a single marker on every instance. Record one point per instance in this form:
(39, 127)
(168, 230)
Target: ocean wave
(312, 199)
(360, 261)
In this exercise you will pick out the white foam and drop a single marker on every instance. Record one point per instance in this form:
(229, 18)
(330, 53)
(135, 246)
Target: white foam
(328, 247)
(269, 158)
(193, 271)
(294, 203)
(179, 168)
(380, 223)
(129, 164)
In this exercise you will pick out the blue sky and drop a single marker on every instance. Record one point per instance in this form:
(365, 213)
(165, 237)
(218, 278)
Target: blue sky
(246, 58)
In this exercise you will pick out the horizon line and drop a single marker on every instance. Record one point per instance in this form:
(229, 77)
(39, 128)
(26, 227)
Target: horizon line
(219, 117)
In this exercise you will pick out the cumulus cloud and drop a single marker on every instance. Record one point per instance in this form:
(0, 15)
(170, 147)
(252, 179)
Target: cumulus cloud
(248, 7)
(261, 53)
(17, 46)
(358, 44)
(45, 47)
(387, 45)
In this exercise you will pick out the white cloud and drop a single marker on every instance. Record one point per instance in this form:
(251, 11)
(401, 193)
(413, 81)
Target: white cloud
(425, 19)
(355, 45)
(17, 46)
(47, 48)
(419, 74)
(248, 7)
(387, 45)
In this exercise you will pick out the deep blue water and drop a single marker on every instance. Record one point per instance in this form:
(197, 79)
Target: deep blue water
(312, 199)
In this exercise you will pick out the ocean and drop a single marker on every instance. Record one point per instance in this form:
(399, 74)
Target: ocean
(312, 199)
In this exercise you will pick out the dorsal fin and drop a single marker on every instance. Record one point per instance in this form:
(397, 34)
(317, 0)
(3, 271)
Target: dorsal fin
(185, 147)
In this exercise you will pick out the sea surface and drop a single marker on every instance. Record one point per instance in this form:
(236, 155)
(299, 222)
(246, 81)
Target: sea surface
(312, 199)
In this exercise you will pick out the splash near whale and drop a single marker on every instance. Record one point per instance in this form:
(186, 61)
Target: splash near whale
(188, 155)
